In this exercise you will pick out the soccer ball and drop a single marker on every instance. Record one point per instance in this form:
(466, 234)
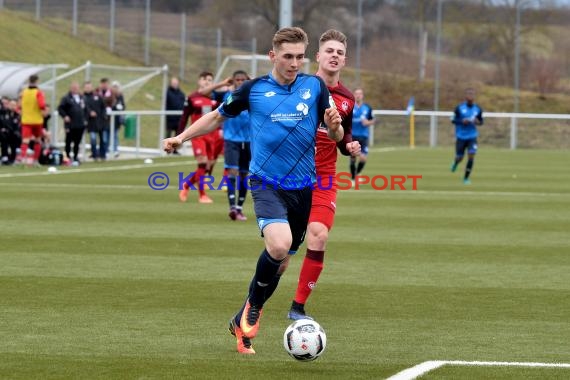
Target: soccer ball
(305, 340)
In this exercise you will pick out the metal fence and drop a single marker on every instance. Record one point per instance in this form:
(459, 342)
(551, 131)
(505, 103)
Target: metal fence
(135, 31)
(501, 130)
(143, 136)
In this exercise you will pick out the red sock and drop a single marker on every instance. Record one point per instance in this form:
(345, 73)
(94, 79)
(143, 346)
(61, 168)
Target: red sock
(37, 151)
(200, 172)
(23, 150)
(310, 272)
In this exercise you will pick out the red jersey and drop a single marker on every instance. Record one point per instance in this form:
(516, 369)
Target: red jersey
(325, 157)
(195, 107)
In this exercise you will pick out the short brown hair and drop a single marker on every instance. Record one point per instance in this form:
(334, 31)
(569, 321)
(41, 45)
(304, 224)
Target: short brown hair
(333, 35)
(33, 79)
(291, 35)
(205, 74)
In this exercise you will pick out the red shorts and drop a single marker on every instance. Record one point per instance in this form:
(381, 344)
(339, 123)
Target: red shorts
(202, 146)
(217, 140)
(324, 205)
(32, 130)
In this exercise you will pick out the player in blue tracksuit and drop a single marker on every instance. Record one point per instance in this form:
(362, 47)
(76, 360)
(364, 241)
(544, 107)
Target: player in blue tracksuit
(466, 117)
(285, 109)
(362, 119)
(237, 153)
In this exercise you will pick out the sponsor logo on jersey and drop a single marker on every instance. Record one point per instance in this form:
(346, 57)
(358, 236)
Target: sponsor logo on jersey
(270, 94)
(305, 93)
(302, 107)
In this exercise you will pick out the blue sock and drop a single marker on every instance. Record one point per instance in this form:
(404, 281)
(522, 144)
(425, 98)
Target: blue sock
(468, 168)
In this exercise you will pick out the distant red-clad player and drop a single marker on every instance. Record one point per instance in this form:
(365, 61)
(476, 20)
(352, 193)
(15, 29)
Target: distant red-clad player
(197, 104)
(331, 58)
(32, 106)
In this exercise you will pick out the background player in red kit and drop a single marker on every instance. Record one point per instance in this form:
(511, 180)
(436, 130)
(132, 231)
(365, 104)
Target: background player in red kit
(197, 104)
(331, 58)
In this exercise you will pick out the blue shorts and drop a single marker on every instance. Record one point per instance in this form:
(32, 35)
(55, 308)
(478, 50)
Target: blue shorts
(237, 155)
(363, 144)
(275, 205)
(469, 144)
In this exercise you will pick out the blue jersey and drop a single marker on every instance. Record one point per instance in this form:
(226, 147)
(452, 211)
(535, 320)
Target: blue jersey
(237, 128)
(470, 112)
(283, 126)
(358, 113)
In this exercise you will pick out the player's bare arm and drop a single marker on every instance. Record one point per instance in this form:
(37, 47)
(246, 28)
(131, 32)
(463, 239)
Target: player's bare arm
(224, 84)
(333, 121)
(367, 122)
(200, 127)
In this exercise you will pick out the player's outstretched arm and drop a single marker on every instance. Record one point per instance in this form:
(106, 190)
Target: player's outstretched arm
(200, 127)
(333, 121)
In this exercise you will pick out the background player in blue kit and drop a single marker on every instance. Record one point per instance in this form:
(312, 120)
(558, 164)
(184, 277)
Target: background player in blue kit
(285, 109)
(466, 117)
(237, 154)
(362, 119)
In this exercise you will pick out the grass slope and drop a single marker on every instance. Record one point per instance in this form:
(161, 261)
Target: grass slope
(50, 42)
(103, 278)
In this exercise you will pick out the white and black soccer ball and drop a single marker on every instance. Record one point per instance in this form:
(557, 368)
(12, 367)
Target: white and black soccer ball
(305, 340)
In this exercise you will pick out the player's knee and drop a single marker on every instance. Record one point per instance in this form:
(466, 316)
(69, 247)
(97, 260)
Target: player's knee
(279, 249)
(318, 236)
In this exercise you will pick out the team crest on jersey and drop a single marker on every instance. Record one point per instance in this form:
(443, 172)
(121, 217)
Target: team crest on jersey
(305, 93)
(344, 105)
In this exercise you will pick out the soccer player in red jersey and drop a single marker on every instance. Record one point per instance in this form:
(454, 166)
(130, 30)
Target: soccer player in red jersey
(32, 106)
(331, 58)
(197, 104)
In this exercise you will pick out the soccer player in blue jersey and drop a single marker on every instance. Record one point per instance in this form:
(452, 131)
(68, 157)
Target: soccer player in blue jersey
(362, 119)
(237, 154)
(285, 108)
(466, 117)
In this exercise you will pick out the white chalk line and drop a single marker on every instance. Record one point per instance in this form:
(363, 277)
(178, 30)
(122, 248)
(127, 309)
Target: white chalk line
(129, 167)
(97, 170)
(425, 367)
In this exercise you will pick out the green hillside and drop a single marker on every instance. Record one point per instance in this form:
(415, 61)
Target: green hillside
(50, 42)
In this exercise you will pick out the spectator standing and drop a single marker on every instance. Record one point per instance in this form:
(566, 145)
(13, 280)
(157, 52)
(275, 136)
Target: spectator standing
(74, 113)
(118, 104)
(10, 136)
(175, 99)
(97, 125)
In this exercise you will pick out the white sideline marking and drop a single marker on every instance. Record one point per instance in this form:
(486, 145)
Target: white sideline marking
(423, 368)
(416, 371)
(97, 170)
